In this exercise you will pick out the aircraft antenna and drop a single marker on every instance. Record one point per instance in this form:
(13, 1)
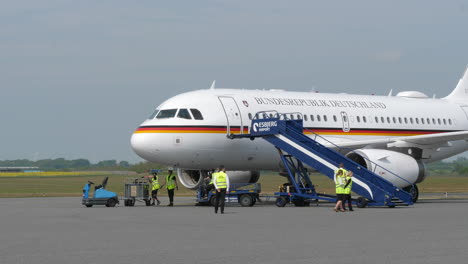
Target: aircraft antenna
(213, 85)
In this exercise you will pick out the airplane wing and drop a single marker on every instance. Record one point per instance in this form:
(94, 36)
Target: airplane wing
(429, 141)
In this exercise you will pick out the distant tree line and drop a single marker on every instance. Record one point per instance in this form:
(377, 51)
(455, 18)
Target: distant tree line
(458, 166)
(62, 164)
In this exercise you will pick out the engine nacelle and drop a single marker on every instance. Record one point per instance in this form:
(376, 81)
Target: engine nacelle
(192, 179)
(404, 166)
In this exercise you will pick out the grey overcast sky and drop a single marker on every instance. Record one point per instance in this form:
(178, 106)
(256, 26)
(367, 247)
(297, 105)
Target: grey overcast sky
(77, 77)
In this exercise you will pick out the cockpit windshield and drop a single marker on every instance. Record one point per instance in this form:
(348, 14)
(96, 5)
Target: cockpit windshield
(153, 114)
(184, 113)
(168, 113)
(196, 114)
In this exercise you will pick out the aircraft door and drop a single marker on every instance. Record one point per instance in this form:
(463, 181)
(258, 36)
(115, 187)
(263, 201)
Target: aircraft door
(233, 115)
(345, 120)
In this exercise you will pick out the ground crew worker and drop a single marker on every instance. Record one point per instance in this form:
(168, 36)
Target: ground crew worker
(155, 187)
(221, 184)
(341, 168)
(171, 184)
(347, 191)
(340, 182)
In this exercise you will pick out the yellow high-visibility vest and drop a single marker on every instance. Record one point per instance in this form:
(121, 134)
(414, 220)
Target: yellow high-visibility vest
(220, 180)
(170, 182)
(155, 183)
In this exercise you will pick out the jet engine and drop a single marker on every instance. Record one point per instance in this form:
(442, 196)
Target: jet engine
(191, 179)
(408, 170)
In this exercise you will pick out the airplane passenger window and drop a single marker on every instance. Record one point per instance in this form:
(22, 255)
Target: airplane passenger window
(411, 120)
(292, 116)
(358, 119)
(305, 117)
(318, 118)
(168, 113)
(417, 120)
(376, 119)
(325, 118)
(153, 114)
(364, 119)
(438, 121)
(406, 120)
(450, 121)
(428, 121)
(399, 120)
(299, 116)
(433, 121)
(394, 120)
(250, 116)
(422, 121)
(382, 119)
(334, 118)
(196, 114)
(345, 118)
(312, 118)
(445, 123)
(388, 120)
(184, 113)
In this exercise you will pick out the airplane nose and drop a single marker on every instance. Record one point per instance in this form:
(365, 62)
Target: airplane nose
(144, 147)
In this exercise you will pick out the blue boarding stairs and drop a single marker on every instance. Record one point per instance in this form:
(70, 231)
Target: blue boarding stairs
(287, 135)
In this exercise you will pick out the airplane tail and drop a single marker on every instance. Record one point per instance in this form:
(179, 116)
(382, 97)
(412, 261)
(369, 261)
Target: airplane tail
(461, 91)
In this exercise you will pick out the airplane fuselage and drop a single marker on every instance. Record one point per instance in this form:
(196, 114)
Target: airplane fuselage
(178, 139)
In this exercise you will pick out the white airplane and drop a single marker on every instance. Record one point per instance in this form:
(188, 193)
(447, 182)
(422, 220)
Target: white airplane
(400, 133)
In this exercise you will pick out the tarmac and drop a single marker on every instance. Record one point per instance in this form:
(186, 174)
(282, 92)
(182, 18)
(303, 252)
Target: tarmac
(61, 230)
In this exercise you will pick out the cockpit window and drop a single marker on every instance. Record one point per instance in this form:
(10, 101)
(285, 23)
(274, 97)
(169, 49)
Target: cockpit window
(196, 114)
(168, 113)
(153, 114)
(184, 113)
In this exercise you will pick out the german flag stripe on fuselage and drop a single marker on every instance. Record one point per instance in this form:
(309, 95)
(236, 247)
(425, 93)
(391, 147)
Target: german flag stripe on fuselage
(307, 130)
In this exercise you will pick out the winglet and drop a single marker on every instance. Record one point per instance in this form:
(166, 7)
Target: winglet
(213, 85)
(461, 91)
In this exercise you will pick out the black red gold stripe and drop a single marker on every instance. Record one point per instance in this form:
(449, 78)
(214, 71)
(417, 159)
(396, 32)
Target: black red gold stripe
(320, 131)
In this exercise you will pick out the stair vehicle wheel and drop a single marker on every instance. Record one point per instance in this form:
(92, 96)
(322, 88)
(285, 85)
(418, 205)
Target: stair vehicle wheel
(361, 202)
(281, 201)
(213, 200)
(414, 191)
(245, 200)
(299, 203)
(131, 202)
(111, 202)
(89, 205)
(126, 202)
(148, 202)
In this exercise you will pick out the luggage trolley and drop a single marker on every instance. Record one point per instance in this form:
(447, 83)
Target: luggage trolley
(137, 189)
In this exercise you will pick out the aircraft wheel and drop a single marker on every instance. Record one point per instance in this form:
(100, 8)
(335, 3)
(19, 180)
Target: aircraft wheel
(281, 201)
(413, 191)
(361, 202)
(245, 200)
